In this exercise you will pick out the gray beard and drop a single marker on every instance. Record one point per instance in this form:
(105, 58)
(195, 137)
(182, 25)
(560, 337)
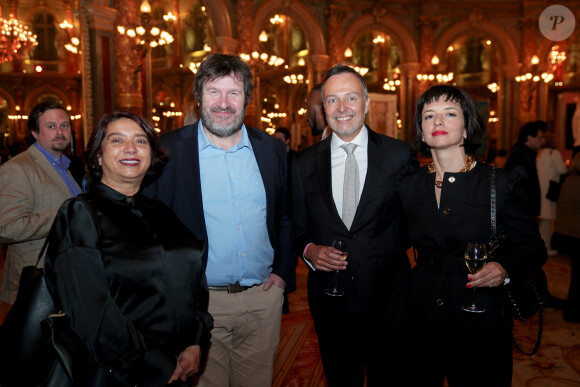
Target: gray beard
(222, 130)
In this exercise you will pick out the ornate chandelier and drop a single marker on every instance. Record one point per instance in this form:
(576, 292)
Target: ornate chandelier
(15, 39)
(148, 33)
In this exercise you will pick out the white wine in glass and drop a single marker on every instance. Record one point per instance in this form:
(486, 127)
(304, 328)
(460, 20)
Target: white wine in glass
(339, 244)
(475, 259)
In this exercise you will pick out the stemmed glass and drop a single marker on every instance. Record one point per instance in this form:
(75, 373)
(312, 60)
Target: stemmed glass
(339, 244)
(475, 259)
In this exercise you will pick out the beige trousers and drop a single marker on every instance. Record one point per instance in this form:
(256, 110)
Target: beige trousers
(244, 338)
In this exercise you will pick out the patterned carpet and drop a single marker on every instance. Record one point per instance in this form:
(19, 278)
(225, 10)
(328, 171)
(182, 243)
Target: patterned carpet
(557, 363)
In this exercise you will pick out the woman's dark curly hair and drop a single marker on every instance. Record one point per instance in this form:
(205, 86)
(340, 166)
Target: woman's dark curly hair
(159, 155)
(474, 125)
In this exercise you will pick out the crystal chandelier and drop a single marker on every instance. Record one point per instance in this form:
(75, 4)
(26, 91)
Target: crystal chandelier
(15, 39)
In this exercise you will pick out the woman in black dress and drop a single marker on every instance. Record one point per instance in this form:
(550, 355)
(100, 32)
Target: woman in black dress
(127, 273)
(447, 205)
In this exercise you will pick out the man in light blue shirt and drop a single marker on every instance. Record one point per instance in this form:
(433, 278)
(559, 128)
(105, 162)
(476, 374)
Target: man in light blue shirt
(234, 202)
(227, 183)
(33, 185)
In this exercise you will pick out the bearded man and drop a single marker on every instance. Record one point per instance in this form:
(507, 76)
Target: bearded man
(227, 183)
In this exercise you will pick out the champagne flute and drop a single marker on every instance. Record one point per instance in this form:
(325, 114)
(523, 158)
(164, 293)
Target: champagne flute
(475, 259)
(339, 244)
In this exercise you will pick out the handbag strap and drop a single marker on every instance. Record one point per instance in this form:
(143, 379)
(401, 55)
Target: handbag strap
(493, 206)
(42, 251)
(538, 338)
(493, 203)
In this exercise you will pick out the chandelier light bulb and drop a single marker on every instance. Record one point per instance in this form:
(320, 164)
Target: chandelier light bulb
(145, 7)
(169, 17)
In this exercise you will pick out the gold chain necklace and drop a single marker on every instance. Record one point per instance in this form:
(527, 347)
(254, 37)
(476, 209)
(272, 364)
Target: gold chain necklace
(467, 167)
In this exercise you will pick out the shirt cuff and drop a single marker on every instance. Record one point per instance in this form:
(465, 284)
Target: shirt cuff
(306, 259)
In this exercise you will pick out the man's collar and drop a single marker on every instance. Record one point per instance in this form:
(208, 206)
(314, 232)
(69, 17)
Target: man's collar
(361, 139)
(204, 142)
(62, 160)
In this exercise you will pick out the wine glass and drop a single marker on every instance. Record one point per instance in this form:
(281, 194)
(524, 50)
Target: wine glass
(339, 244)
(475, 259)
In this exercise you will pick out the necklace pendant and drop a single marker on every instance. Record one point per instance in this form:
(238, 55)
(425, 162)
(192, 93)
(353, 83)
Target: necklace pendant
(438, 184)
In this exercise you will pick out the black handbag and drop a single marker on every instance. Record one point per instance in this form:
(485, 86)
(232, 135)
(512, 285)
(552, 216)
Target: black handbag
(32, 336)
(526, 296)
(554, 190)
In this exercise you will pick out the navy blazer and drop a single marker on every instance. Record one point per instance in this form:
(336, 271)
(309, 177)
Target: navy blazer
(179, 187)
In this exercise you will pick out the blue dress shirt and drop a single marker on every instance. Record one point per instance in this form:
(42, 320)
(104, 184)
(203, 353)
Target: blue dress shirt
(234, 206)
(61, 166)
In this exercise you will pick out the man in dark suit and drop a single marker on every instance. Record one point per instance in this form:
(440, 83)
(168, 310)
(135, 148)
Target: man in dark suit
(523, 160)
(227, 183)
(356, 330)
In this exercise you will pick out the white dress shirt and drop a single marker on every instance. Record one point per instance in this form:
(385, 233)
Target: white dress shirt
(338, 159)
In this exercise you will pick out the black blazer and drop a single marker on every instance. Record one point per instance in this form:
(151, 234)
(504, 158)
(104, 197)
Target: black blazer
(179, 186)
(375, 240)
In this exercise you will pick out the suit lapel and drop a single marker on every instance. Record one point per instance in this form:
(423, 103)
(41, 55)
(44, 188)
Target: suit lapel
(324, 173)
(373, 171)
(191, 183)
(41, 160)
(266, 169)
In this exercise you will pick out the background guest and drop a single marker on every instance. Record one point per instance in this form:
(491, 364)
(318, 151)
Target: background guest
(567, 236)
(522, 159)
(550, 168)
(315, 115)
(33, 185)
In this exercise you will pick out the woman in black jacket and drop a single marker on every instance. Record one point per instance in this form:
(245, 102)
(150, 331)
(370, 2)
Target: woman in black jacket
(447, 205)
(124, 269)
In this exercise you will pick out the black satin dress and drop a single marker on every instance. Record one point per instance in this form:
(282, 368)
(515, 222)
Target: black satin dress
(470, 349)
(129, 276)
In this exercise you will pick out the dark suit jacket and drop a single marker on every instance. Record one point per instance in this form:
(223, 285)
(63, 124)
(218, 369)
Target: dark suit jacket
(523, 161)
(179, 187)
(376, 250)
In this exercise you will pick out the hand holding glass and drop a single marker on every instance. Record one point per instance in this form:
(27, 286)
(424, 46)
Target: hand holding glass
(339, 244)
(475, 259)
